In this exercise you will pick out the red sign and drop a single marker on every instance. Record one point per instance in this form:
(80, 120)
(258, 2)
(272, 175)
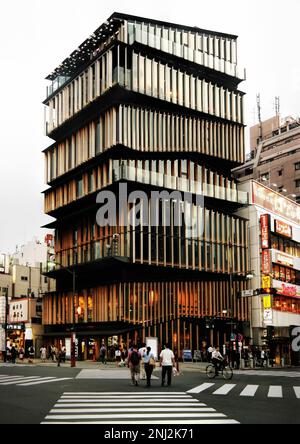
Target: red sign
(266, 262)
(49, 239)
(283, 229)
(288, 290)
(265, 231)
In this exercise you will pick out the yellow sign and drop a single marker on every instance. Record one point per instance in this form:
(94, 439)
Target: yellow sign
(266, 282)
(267, 302)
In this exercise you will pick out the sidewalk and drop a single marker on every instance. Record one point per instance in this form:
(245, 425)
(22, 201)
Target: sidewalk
(183, 366)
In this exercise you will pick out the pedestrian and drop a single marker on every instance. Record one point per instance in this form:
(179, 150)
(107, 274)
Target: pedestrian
(21, 353)
(13, 354)
(167, 361)
(103, 354)
(31, 354)
(142, 352)
(149, 364)
(8, 354)
(43, 352)
(58, 356)
(118, 356)
(262, 358)
(134, 358)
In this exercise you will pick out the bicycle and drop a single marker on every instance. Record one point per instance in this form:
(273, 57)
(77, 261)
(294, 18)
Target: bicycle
(225, 369)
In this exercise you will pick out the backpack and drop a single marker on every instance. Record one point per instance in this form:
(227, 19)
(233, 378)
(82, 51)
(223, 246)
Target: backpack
(134, 358)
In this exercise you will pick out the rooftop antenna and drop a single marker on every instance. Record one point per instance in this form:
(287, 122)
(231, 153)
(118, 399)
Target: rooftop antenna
(277, 105)
(259, 116)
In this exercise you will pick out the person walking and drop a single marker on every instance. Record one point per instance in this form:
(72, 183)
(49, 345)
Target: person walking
(21, 354)
(149, 364)
(134, 358)
(118, 356)
(43, 352)
(13, 354)
(167, 361)
(103, 354)
(31, 354)
(142, 352)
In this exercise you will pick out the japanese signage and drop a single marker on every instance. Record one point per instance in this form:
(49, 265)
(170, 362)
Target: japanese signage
(270, 200)
(2, 309)
(265, 231)
(283, 229)
(283, 259)
(285, 289)
(267, 302)
(268, 316)
(266, 261)
(266, 282)
(18, 311)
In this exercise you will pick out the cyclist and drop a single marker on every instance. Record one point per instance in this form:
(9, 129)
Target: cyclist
(216, 359)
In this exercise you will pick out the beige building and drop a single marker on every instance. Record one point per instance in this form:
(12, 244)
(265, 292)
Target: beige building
(275, 156)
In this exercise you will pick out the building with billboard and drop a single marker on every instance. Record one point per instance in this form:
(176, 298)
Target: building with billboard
(274, 223)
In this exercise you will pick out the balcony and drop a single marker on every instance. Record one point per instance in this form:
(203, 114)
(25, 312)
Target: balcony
(56, 84)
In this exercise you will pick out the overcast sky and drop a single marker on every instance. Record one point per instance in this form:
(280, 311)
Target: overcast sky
(36, 36)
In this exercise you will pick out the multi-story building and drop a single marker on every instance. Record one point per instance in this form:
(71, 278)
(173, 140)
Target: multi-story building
(274, 223)
(275, 156)
(154, 105)
(21, 290)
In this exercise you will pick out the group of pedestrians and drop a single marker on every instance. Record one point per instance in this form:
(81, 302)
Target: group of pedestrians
(13, 352)
(141, 363)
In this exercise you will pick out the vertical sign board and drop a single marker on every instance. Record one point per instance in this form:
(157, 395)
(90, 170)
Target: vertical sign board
(266, 262)
(265, 224)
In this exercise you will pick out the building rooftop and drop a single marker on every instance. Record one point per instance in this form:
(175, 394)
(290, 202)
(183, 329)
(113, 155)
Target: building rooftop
(86, 50)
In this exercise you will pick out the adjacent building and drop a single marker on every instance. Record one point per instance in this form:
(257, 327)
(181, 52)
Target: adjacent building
(21, 291)
(155, 106)
(274, 224)
(275, 156)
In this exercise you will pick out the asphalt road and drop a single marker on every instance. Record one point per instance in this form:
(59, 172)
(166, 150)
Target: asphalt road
(29, 394)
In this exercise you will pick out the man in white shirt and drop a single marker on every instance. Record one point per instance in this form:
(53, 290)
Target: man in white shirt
(216, 359)
(167, 361)
(209, 352)
(142, 351)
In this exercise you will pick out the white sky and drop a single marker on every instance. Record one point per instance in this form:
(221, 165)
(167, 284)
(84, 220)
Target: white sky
(36, 36)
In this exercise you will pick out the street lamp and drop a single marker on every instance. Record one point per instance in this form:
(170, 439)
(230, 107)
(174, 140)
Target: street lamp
(73, 335)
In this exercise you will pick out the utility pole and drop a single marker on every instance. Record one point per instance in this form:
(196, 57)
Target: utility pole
(5, 320)
(258, 102)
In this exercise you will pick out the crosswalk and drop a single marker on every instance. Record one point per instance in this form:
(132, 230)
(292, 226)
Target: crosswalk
(107, 374)
(133, 408)
(249, 391)
(25, 381)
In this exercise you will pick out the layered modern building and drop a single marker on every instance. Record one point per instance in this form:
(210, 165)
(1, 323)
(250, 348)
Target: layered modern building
(154, 105)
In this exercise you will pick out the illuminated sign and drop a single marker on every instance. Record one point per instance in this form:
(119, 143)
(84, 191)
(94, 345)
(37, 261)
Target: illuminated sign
(284, 259)
(267, 302)
(284, 289)
(283, 229)
(274, 202)
(266, 282)
(265, 231)
(266, 261)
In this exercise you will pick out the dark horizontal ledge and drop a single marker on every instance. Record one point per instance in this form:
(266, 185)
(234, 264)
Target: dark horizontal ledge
(119, 95)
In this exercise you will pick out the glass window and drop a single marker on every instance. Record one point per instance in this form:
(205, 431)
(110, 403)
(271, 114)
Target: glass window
(91, 181)
(148, 77)
(154, 78)
(141, 74)
(161, 81)
(79, 188)
(180, 88)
